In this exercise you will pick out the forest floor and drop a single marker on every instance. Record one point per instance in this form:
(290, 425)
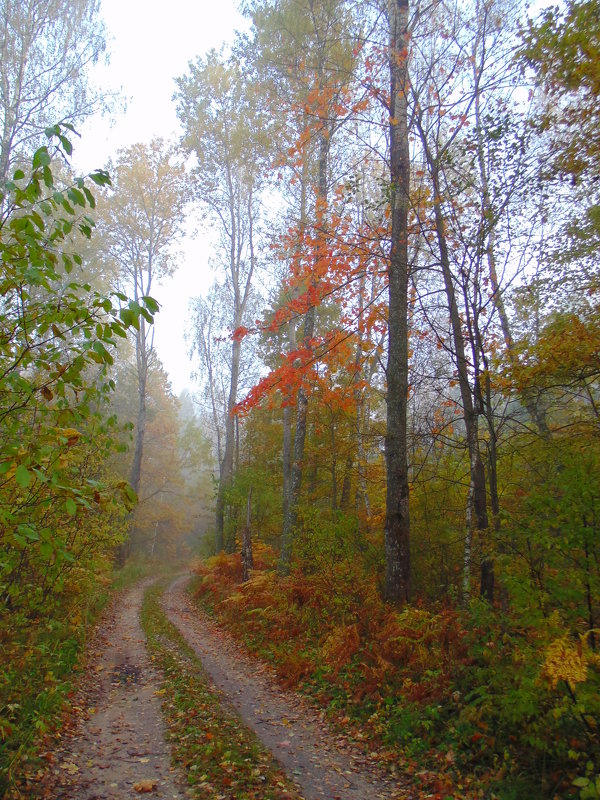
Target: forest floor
(119, 745)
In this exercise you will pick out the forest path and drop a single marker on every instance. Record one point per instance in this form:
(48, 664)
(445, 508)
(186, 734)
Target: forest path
(322, 766)
(118, 748)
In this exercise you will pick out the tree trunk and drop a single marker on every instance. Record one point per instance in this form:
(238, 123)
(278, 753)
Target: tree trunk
(226, 466)
(290, 518)
(247, 560)
(346, 482)
(287, 436)
(397, 522)
(140, 422)
(476, 497)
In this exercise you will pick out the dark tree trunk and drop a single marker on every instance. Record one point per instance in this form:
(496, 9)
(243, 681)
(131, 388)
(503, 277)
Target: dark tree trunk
(287, 421)
(346, 484)
(397, 521)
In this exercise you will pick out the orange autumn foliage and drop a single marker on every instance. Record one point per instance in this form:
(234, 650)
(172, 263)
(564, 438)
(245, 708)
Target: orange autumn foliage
(306, 622)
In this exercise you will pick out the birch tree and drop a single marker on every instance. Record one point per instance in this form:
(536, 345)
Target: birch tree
(46, 50)
(221, 117)
(141, 222)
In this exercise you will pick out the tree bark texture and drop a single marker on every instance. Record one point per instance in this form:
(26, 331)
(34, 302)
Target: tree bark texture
(397, 520)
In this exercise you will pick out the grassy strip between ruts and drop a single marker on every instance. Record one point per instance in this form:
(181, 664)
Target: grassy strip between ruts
(220, 756)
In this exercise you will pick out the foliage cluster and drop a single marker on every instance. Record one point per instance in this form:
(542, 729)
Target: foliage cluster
(501, 433)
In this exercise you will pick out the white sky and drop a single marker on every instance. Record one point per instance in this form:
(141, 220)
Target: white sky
(150, 44)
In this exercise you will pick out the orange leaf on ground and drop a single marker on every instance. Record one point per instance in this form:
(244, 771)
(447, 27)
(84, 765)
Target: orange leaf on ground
(143, 787)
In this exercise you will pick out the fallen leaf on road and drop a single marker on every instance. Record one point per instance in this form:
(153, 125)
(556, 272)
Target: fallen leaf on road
(145, 786)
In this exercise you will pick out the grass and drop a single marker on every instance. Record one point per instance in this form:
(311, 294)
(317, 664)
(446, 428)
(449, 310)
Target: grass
(220, 756)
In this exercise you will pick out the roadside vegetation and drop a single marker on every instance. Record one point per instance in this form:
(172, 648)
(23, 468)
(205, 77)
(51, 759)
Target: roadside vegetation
(43, 664)
(398, 409)
(462, 699)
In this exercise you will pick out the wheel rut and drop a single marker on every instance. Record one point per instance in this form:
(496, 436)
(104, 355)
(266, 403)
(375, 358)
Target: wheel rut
(117, 749)
(300, 739)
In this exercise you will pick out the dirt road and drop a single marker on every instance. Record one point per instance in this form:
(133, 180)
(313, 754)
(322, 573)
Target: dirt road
(119, 747)
(321, 765)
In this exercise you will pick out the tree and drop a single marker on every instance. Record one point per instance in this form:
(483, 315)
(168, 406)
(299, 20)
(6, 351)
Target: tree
(305, 52)
(223, 127)
(562, 46)
(58, 339)
(141, 221)
(397, 523)
(46, 49)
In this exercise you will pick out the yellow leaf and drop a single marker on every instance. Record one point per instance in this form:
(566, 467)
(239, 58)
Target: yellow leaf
(564, 662)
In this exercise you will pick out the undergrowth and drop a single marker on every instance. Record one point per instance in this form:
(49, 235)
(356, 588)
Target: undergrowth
(41, 662)
(458, 697)
(220, 756)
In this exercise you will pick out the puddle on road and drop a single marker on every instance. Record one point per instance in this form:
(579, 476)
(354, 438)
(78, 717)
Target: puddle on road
(125, 674)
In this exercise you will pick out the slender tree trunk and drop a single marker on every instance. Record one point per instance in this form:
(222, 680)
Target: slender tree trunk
(287, 437)
(247, 559)
(333, 467)
(347, 479)
(291, 517)
(241, 293)
(476, 498)
(226, 466)
(140, 423)
(287, 411)
(529, 400)
(287, 457)
(397, 521)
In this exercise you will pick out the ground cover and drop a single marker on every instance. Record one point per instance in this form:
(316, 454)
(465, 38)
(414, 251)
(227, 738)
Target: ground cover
(461, 699)
(43, 660)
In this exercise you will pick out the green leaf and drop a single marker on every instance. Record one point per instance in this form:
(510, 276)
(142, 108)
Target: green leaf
(66, 144)
(20, 540)
(48, 178)
(41, 158)
(28, 532)
(23, 476)
(90, 197)
(100, 177)
(151, 304)
(127, 316)
(581, 782)
(37, 220)
(71, 506)
(77, 197)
